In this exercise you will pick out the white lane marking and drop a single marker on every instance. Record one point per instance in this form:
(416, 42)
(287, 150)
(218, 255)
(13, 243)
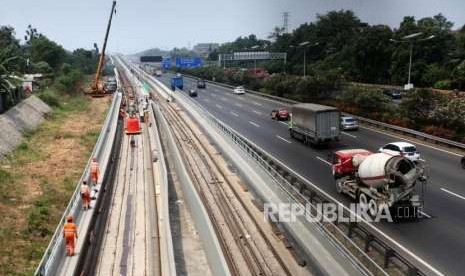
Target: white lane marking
(254, 124)
(224, 99)
(412, 141)
(234, 114)
(452, 193)
(285, 140)
(207, 100)
(350, 135)
(219, 106)
(324, 161)
(257, 112)
(284, 123)
(213, 94)
(238, 104)
(255, 103)
(425, 214)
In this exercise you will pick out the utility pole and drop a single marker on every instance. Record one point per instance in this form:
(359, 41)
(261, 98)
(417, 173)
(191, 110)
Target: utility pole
(286, 22)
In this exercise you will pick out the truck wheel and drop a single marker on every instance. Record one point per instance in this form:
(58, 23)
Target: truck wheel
(373, 207)
(463, 163)
(362, 200)
(291, 132)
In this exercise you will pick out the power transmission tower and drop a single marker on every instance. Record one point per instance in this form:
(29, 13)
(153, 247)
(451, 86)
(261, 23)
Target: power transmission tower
(286, 22)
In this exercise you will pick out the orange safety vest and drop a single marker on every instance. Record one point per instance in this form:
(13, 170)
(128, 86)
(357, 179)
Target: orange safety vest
(94, 167)
(69, 230)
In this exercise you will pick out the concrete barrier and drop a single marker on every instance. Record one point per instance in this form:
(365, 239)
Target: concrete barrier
(23, 117)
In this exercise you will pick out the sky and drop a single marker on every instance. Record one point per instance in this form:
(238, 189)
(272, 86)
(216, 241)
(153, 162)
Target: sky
(143, 24)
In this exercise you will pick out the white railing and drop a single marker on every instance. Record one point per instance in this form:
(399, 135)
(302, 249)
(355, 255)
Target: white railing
(54, 251)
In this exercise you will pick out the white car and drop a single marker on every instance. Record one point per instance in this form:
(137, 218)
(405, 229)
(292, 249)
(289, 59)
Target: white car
(404, 149)
(348, 123)
(239, 90)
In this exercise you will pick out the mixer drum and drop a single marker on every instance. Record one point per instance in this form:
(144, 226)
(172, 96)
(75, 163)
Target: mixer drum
(380, 168)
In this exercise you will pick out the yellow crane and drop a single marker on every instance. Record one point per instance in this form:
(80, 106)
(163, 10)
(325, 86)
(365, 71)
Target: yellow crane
(97, 88)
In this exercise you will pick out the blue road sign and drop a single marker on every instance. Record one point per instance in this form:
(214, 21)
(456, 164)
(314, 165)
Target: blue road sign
(166, 62)
(188, 62)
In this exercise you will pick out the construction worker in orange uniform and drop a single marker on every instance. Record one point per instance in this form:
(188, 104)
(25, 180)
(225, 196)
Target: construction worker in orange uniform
(70, 234)
(94, 171)
(85, 195)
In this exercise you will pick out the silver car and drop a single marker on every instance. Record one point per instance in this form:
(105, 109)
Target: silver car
(348, 123)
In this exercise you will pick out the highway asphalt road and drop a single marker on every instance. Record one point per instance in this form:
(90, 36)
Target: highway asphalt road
(438, 238)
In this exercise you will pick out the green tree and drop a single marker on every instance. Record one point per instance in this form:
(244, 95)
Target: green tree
(84, 59)
(43, 67)
(43, 49)
(10, 51)
(372, 58)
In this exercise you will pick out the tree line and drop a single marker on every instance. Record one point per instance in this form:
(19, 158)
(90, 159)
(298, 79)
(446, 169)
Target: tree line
(61, 69)
(361, 52)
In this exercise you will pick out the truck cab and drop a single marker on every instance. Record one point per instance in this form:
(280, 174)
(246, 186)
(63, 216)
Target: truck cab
(344, 162)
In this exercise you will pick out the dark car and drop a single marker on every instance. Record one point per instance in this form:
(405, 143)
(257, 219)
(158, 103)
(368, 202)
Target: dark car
(192, 93)
(280, 114)
(201, 83)
(463, 162)
(393, 93)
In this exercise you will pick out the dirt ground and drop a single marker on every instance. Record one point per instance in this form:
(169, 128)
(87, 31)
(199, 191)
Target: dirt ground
(38, 178)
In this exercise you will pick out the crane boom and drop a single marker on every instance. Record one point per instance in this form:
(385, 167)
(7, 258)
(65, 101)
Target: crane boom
(102, 55)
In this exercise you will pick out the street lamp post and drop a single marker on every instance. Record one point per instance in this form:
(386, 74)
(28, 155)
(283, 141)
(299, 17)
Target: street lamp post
(410, 39)
(305, 44)
(255, 59)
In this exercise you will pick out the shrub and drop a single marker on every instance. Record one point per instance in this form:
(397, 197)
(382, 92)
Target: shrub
(50, 97)
(439, 131)
(443, 84)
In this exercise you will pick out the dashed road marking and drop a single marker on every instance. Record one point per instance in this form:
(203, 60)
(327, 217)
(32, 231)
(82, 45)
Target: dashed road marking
(454, 194)
(224, 99)
(255, 103)
(219, 106)
(207, 100)
(234, 114)
(284, 123)
(254, 124)
(324, 161)
(238, 104)
(350, 135)
(257, 112)
(425, 214)
(285, 140)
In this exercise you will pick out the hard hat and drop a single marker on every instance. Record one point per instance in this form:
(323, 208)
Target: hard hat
(69, 218)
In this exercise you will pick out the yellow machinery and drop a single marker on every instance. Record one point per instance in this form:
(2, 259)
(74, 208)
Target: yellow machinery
(97, 89)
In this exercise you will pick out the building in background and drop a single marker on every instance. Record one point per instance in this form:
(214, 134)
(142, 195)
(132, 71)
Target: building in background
(204, 49)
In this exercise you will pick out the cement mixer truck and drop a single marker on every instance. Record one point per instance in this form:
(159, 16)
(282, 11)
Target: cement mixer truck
(375, 179)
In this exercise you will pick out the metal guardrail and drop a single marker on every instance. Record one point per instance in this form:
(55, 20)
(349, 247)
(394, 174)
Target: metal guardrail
(301, 190)
(51, 257)
(414, 133)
